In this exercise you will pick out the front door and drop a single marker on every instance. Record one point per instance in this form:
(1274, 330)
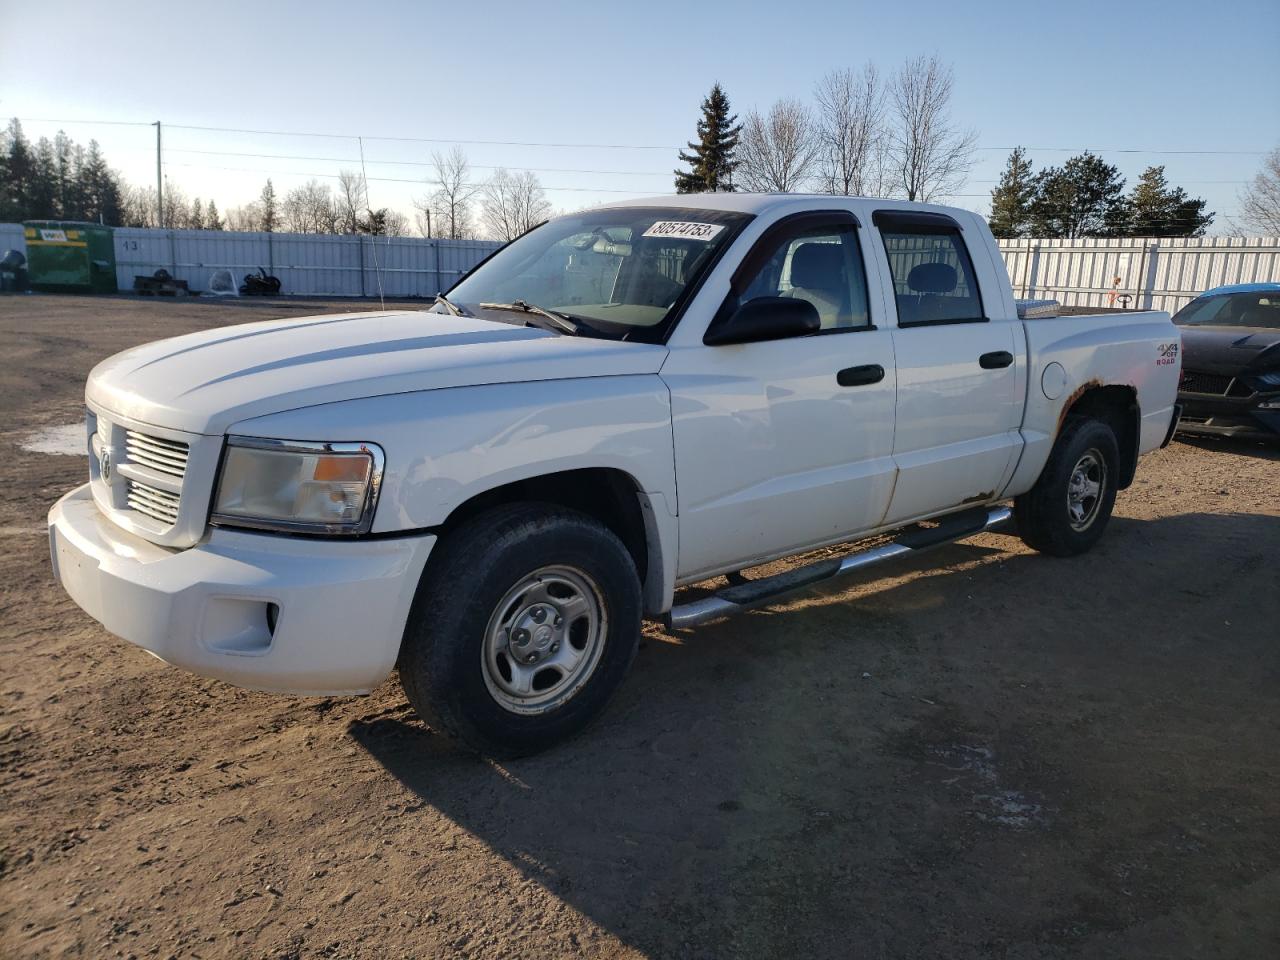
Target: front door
(786, 444)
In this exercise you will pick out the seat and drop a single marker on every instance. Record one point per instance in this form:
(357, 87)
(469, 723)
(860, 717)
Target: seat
(818, 275)
(931, 286)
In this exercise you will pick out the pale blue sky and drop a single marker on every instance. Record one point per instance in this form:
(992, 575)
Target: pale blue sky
(1156, 76)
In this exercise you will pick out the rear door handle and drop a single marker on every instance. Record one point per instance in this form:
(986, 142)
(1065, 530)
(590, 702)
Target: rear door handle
(995, 360)
(860, 376)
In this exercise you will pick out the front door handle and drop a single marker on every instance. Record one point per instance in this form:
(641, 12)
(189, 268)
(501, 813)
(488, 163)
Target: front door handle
(995, 360)
(860, 376)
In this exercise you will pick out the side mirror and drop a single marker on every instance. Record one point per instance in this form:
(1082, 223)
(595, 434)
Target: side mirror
(766, 318)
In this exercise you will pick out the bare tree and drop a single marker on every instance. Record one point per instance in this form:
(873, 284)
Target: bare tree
(177, 208)
(929, 156)
(247, 219)
(777, 152)
(447, 211)
(352, 200)
(851, 125)
(513, 203)
(1260, 202)
(137, 206)
(309, 209)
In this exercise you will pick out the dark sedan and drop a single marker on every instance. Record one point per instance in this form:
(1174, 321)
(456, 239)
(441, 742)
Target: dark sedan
(1231, 361)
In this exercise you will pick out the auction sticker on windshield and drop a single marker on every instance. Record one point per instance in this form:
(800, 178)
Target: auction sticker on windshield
(684, 230)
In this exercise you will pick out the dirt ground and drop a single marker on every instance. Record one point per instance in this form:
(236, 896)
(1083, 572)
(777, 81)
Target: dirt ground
(997, 755)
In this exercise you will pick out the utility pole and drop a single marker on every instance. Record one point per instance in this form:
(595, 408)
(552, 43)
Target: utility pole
(159, 181)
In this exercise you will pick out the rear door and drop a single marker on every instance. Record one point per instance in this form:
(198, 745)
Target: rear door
(958, 408)
(786, 444)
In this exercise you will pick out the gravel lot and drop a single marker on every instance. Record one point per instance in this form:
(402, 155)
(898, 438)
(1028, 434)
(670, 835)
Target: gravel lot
(996, 755)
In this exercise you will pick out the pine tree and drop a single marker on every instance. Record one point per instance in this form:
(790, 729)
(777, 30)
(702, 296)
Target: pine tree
(1154, 209)
(211, 219)
(17, 173)
(68, 158)
(268, 203)
(1013, 196)
(1082, 198)
(101, 189)
(42, 189)
(711, 161)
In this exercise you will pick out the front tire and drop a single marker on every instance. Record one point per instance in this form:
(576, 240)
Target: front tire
(523, 628)
(1067, 510)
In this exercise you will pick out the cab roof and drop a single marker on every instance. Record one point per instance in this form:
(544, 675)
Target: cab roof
(758, 203)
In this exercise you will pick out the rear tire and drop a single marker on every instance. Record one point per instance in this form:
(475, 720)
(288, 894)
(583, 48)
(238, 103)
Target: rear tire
(524, 627)
(1066, 512)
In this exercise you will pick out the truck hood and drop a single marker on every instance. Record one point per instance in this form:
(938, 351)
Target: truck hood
(204, 382)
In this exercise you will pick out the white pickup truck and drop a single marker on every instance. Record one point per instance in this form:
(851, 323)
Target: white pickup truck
(491, 493)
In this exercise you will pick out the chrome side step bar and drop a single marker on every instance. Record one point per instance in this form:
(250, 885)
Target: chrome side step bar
(745, 596)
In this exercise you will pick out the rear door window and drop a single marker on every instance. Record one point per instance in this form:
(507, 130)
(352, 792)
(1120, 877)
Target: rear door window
(933, 277)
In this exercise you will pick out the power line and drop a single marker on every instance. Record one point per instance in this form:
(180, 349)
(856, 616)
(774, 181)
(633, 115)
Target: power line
(334, 176)
(112, 123)
(592, 146)
(496, 143)
(1242, 153)
(411, 163)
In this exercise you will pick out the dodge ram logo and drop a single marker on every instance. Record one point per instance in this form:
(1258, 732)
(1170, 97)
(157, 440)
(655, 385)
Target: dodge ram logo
(105, 464)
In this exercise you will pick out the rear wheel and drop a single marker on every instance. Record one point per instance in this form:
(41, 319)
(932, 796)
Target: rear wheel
(523, 628)
(1067, 510)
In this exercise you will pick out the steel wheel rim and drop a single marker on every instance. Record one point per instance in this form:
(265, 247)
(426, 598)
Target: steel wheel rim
(1085, 489)
(544, 640)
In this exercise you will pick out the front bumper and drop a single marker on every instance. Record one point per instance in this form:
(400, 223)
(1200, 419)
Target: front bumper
(1229, 416)
(340, 606)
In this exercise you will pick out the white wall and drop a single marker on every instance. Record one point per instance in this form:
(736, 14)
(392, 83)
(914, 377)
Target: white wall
(307, 264)
(1157, 274)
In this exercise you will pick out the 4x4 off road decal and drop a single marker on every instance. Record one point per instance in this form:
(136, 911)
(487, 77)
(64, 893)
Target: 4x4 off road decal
(1166, 354)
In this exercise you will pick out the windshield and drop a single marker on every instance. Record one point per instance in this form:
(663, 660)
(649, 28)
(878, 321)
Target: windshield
(620, 272)
(1260, 308)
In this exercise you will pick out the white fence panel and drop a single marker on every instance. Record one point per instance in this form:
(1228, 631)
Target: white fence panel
(11, 238)
(307, 264)
(1154, 274)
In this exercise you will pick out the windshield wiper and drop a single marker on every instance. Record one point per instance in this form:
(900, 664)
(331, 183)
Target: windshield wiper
(553, 321)
(449, 305)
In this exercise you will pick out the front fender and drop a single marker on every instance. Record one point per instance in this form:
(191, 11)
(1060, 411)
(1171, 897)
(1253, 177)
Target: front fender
(444, 447)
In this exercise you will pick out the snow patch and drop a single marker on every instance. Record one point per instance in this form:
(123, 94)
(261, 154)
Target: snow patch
(67, 441)
(974, 769)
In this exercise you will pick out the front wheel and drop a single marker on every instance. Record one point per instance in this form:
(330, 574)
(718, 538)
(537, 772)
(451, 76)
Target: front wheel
(1067, 510)
(523, 628)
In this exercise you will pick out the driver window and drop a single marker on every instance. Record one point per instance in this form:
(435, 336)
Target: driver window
(822, 265)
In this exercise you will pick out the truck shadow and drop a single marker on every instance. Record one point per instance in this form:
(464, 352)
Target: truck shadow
(894, 766)
(1262, 449)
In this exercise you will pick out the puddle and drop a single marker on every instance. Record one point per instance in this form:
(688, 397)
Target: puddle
(67, 441)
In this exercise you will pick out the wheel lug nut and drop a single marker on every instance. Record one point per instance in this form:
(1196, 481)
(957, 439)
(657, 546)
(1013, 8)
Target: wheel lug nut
(558, 621)
(555, 647)
(539, 614)
(521, 637)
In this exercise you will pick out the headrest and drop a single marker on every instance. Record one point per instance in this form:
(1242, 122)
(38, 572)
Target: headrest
(817, 265)
(932, 278)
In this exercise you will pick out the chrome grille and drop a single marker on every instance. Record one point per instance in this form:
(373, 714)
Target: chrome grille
(153, 502)
(155, 453)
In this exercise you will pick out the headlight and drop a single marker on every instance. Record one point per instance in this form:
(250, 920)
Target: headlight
(1271, 378)
(298, 486)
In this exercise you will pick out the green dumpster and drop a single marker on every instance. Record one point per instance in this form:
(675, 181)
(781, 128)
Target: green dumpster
(68, 257)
